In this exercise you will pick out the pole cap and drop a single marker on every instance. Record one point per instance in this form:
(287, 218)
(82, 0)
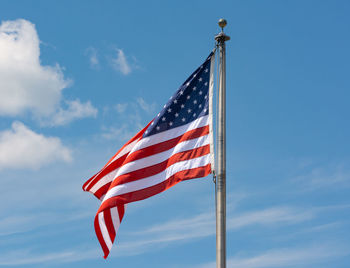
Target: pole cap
(222, 23)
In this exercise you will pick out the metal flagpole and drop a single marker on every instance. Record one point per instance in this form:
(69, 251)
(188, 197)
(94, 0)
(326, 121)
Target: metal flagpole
(221, 153)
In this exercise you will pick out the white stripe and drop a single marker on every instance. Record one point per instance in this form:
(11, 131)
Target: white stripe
(158, 178)
(151, 160)
(87, 186)
(126, 150)
(160, 157)
(211, 123)
(145, 142)
(104, 180)
(171, 133)
(144, 162)
(115, 218)
(104, 231)
(110, 176)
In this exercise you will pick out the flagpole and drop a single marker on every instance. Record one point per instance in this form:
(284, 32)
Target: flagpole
(221, 38)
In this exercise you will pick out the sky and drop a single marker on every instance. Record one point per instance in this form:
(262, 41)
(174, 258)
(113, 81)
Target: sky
(80, 78)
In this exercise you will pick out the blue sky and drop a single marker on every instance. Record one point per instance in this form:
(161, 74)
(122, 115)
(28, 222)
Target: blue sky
(79, 78)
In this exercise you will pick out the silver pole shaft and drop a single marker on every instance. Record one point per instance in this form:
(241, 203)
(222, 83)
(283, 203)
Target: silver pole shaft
(221, 154)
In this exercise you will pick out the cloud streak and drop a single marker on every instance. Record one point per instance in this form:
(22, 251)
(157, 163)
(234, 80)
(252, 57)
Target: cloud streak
(286, 257)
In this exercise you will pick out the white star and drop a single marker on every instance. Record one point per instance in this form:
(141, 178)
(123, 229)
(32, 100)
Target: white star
(175, 101)
(189, 110)
(183, 119)
(176, 115)
(200, 105)
(194, 75)
(157, 127)
(152, 123)
(194, 88)
(170, 123)
(206, 96)
(195, 102)
(164, 106)
(146, 131)
(205, 110)
(170, 97)
(206, 70)
(206, 83)
(188, 97)
(169, 110)
(182, 106)
(200, 79)
(158, 115)
(194, 114)
(201, 66)
(163, 119)
(181, 92)
(188, 83)
(200, 92)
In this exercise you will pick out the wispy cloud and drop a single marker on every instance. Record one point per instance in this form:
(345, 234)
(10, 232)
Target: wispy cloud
(29, 256)
(129, 119)
(121, 107)
(20, 147)
(286, 257)
(75, 110)
(92, 55)
(147, 107)
(325, 176)
(203, 225)
(120, 62)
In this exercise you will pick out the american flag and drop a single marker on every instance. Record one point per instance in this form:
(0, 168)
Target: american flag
(175, 146)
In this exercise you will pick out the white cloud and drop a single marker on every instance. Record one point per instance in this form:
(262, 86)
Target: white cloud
(75, 110)
(28, 86)
(120, 63)
(25, 84)
(21, 147)
(91, 52)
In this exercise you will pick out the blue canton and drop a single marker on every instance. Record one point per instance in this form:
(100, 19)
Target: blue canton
(189, 102)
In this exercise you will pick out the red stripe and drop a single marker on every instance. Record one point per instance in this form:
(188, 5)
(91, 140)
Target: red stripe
(144, 152)
(157, 168)
(156, 189)
(121, 211)
(114, 165)
(109, 224)
(100, 237)
(168, 144)
(102, 190)
(137, 136)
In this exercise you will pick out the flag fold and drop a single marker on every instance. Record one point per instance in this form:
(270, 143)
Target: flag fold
(175, 146)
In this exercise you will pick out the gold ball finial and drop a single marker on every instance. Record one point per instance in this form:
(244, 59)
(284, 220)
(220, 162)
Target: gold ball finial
(222, 23)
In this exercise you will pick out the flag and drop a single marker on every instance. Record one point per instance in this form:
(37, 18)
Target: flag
(175, 146)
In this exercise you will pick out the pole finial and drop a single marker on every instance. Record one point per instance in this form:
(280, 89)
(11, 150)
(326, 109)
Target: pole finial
(222, 37)
(222, 23)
